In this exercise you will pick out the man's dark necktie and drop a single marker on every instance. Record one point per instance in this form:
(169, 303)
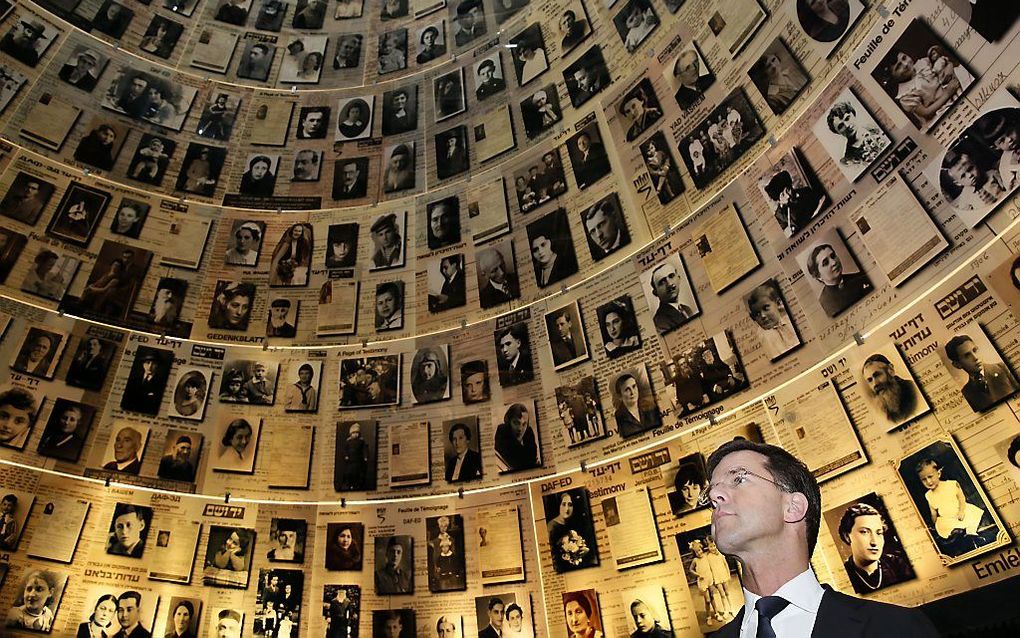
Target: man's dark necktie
(768, 608)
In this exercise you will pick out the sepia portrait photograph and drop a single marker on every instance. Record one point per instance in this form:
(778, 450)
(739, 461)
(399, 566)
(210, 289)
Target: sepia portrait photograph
(50, 274)
(40, 351)
(389, 306)
(147, 380)
(888, 386)
(449, 95)
(689, 482)
(712, 578)
(635, 407)
(249, 381)
(26, 197)
(292, 257)
(778, 76)
(66, 429)
(181, 452)
(231, 305)
(588, 158)
(36, 600)
(235, 443)
(430, 374)
(445, 560)
(605, 227)
(151, 159)
(689, 76)
(303, 60)
(516, 442)
(667, 288)
(370, 381)
(571, 530)
(833, 273)
(474, 381)
(129, 528)
(513, 349)
(827, 22)
(728, 132)
(451, 154)
(288, 540)
(792, 193)
(446, 283)
(552, 248)
(773, 323)
(115, 281)
(662, 168)
(126, 446)
(200, 171)
(708, 372)
(227, 559)
(567, 341)
(394, 571)
(90, 363)
(973, 362)
(497, 275)
(462, 450)
(489, 78)
(301, 394)
(78, 213)
(344, 543)
(191, 391)
(850, 135)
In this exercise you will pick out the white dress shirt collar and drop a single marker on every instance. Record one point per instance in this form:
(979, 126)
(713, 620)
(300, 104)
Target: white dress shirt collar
(796, 621)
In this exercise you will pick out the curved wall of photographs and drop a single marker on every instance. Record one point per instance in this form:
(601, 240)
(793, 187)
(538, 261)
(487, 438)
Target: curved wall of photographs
(325, 318)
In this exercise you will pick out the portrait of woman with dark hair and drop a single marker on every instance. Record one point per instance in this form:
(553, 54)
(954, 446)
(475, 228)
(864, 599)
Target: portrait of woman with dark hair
(690, 482)
(292, 257)
(343, 548)
(571, 531)
(342, 246)
(237, 447)
(582, 617)
(432, 44)
(552, 248)
(232, 305)
(876, 559)
(99, 148)
(259, 180)
(840, 289)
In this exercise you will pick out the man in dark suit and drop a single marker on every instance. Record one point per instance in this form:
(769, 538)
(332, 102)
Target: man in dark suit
(767, 506)
(495, 626)
(500, 286)
(514, 356)
(82, 72)
(129, 616)
(671, 314)
(451, 152)
(127, 450)
(987, 383)
(350, 181)
(465, 464)
(144, 390)
(488, 83)
(693, 84)
(561, 340)
(588, 158)
(453, 294)
(470, 22)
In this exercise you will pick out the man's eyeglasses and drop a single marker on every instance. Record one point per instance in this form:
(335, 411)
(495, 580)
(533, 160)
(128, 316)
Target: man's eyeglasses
(737, 476)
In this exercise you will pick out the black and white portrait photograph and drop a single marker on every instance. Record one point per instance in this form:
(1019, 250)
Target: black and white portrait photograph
(90, 363)
(667, 289)
(973, 362)
(191, 391)
(394, 571)
(356, 456)
(690, 77)
(235, 442)
(446, 282)
(431, 42)
(442, 225)
(689, 482)
(245, 242)
(370, 381)
(11, 82)
(488, 76)
(200, 171)
(398, 167)
(341, 609)
(149, 97)
(309, 14)
(40, 351)
(147, 380)
(430, 374)
(225, 621)
(541, 110)
(350, 178)
(513, 349)
(982, 166)
(219, 115)
(462, 456)
(574, 27)
(540, 180)
(565, 330)
(605, 227)
(270, 15)
(11, 245)
(619, 327)
(662, 168)
(354, 121)
(50, 274)
(21, 406)
(278, 602)
(726, 134)
(580, 412)
(394, 623)
(101, 145)
(307, 166)
(552, 248)
(292, 257)
(635, 407)
(151, 159)
(348, 50)
(233, 12)
(36, 600)
(232, 305)
(303, 60)
(571, 530)
(28, 38)
(635, 21)
(587, 77)
(588, 157)
(850, 135)
(647, 614)
(181, 452)
(344, 543)
(950, 501)
(496, 270)
(258, 381)
(112, 19)
(778, 76)
(389, 306)
(827, 21)
(451, 152)
(256, 60)
(125, 447)
(833, 273)
(227, 561)
(66, 430)
(287, 536)
(283, 317)
(14, 509)
(82, 68)
(792, 193)
(400, 110)
(115, 281)
(708, 372)
(867, 541)
(474, 381)
(449, 98)
(182, 617)
(167, 303)
(445, 561)
(301, 392)
(529, 55)
(129, 528)
(129, 218)
(78, 213)
(773, 323)
(392, 51)
(922, 75)
(468, 16)
(112, 611)
(26, 198)
(516, 441)
(342, 245)
(888, 386)
(712, 578)
(313, 122)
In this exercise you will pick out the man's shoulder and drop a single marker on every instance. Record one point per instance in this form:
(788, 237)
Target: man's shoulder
(875, 617)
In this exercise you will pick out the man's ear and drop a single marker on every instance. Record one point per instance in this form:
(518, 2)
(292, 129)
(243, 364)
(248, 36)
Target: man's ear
(795, 508)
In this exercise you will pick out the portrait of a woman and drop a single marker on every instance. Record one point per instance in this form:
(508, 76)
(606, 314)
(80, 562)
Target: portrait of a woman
(237, 448)
(100, 623)
(343, 552)
(231, 309)
(292, 257)
(571, 533)
(582, 618)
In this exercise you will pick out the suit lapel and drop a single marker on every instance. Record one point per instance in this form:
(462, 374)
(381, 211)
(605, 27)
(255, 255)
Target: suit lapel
(838, 616)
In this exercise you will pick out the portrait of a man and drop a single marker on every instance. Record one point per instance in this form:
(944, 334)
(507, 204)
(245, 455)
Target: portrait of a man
(605, 227)
(892, 395)
(128, 530)
(350, 178)
(989, 380)
(668, 290)
(497, 275)
(40, 352)
(394, 573)
(125, 449)
(463, 459)
(147, 380)
(514, 355)
(180, 456)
